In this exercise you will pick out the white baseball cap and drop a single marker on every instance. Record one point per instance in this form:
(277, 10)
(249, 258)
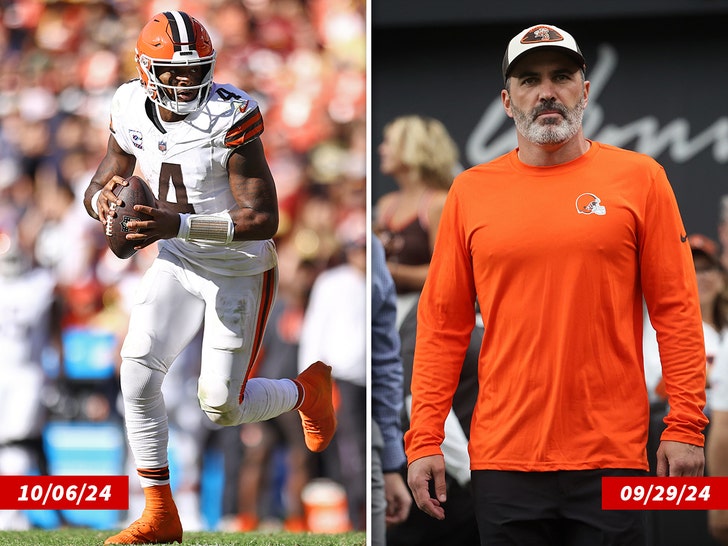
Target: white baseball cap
(547, 36)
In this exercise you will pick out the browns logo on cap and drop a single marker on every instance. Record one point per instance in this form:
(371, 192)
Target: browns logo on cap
(542, 34)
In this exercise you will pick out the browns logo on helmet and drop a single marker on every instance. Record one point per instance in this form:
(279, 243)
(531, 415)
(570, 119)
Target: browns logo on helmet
(170, 40)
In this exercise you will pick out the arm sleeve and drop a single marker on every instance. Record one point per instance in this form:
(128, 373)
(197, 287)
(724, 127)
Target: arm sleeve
(445, 319)
(670, 291)
(387, 375)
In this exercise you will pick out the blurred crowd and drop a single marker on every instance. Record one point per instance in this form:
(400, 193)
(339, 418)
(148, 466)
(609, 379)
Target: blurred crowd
(60, 63)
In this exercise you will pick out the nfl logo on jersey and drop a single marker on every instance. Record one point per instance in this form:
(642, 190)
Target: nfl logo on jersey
(162, 144)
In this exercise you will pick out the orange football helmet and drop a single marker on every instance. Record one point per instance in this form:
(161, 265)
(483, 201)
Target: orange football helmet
(170, 40)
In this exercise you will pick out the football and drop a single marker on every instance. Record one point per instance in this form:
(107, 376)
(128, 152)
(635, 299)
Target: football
(136, 193)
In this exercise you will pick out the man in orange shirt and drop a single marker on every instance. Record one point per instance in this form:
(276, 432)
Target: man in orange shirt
(559, 241)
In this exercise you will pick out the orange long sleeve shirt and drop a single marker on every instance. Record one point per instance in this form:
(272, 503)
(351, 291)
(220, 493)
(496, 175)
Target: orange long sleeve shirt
(559, 259)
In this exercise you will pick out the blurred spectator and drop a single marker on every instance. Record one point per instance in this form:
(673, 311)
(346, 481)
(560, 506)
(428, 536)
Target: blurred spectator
(92, 326)
(391, 499)
(304, 61)
(717, 441)
(460, 526)
(334, 330)
(26, 335)
(420, 155)
(711, 279)
(723, 230)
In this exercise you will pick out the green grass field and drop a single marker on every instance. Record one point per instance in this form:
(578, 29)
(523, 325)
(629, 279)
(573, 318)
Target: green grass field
(86, 537)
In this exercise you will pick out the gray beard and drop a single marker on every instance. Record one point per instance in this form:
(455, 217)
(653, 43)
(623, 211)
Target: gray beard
(549, 131)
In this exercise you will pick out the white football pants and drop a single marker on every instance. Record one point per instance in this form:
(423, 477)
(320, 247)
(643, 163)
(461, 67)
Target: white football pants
(171, 304)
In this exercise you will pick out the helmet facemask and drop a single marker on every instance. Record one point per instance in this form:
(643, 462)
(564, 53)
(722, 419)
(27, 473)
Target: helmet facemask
(167, 96)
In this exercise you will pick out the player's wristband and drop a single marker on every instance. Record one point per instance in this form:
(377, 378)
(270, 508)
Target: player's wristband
(206, 228)
(95, 202)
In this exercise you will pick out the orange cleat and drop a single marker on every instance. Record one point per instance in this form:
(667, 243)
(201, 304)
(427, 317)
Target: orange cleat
(159, 523)
(316, 407)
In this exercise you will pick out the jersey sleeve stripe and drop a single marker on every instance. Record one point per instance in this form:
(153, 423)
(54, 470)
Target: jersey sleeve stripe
(245, 130)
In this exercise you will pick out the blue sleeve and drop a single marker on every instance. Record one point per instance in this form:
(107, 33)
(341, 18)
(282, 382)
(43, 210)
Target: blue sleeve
(387, 375)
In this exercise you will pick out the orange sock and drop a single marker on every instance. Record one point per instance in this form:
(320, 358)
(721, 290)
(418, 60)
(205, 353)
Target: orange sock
(158, 499)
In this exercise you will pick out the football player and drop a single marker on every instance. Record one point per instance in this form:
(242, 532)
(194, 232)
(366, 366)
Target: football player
(197, 144)
(26, 330)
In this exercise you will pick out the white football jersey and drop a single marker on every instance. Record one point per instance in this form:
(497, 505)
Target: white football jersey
(185, 162)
